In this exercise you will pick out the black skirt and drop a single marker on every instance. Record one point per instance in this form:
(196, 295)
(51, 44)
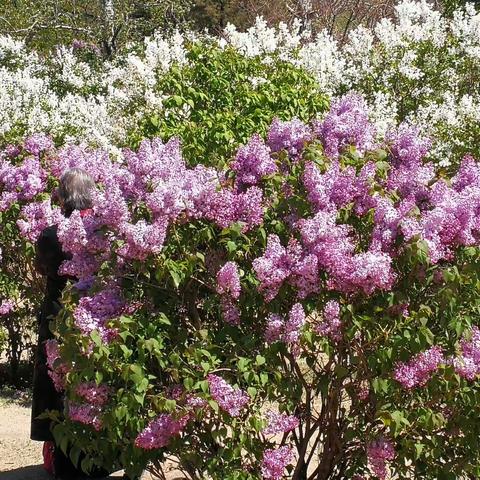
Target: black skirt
(44, 396)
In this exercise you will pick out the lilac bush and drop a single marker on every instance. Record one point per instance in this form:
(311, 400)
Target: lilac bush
(307, 312)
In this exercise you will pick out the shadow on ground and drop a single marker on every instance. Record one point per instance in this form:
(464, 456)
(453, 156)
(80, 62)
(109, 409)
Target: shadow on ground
(34, 472)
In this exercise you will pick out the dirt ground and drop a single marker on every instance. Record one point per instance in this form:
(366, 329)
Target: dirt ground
(20, 457)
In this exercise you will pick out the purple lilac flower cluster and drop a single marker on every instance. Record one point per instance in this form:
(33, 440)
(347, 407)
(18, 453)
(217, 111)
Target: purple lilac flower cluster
(337, 187)
(334, 249)
(6, 307)
(229, 399)
(86, 414)
(379, 453)
(279, 264)
(331, 326)
(36, 217)
(178, 393)
(93, 312)
(279, 423)
(228, 280)
(56, 370)
(252, 163)
(38, 143)
(419, 369)
(94, 394)
(160, 431)
(467, 364)
(409, 176)
(22, 182)
(288, 331)
(290, 136)
(228, 286)
(346, 124)
(454, 218)
(275, 461)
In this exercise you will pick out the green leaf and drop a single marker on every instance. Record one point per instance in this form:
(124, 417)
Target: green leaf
(259, 360)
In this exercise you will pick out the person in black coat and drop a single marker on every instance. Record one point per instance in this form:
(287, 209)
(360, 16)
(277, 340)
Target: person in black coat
(74, 193)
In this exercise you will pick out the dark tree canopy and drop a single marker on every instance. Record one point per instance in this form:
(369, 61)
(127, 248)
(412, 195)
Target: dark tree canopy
(110, 24)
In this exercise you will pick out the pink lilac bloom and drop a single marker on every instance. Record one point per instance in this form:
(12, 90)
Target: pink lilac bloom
(288, 331)
(411, 180)
(364, 199)
(249, 208)
(160, 431)
(6, 307)
(143, 239)
(390, 222)
(82, 266)
(86, 414)
(331, 326)
(467, 364)
(161, 179)
(409, 176)
(252, 163)
(79, 44)
(228, 280)
(110, 206)
(230, 311)
(305, 275)
(155, 162)
(275, 461)
(73, 233)
(21, 182)
(202, 183)
(92, 313)
(96, 162)
(346, 124)
(407, 146)
(56, 370)
(82, 45)
(275, 328)
(337, 187)
(195, 402)
(273, 268)
(291, 136)
(417, 371)
(329, 190)
(329, 242)
(468, 174)
(94, 394)
(13, 151)
(294, 323)
(452, 221)
(363, 272)
(291, 264)
(38, 143)
(175, 392)
(82, 236)
(280, 423)
(379, 453)
(226, 207)
(229, 399)
(363, 391)
(36, 217)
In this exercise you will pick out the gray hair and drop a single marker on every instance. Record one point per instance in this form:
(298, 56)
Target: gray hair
(75, 189)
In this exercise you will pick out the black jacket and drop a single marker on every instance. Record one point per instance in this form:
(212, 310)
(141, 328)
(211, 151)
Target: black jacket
(49, 256)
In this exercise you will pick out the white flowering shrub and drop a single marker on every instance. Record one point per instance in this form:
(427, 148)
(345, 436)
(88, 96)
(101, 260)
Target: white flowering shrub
(418, 67)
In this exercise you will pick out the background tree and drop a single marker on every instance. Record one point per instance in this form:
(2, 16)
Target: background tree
(107, 24)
